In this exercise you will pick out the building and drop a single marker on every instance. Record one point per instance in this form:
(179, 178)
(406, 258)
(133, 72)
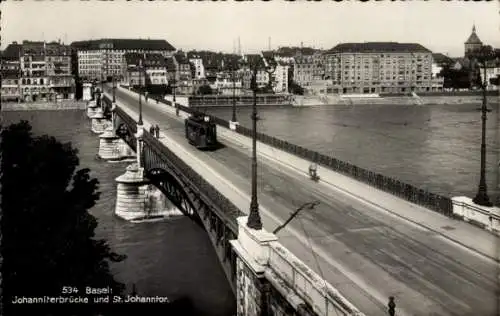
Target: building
(199, 69)
(379, 67)
(225, 85)
(103, 58)
(11, 73)
(246, 72)
(152, 73)
(179, 73)
(304, 70)
(472, 43)
(58, 69)
(43, 71)
(492, 74)
(280, 80)
(10, 85)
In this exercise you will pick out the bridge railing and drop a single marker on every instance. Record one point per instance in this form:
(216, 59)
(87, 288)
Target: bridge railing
(435, 202)
(314, 290)
(230, 212)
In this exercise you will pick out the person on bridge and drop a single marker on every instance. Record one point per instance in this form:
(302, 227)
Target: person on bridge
(152, 130)
(313, 171)
(157, 131)
(392, 306)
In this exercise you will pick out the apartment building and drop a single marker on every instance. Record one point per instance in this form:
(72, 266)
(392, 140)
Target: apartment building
(379, 67)
(153, 71)
(199, 71)
(41, 71)
(280, 77)
(179, 72)
(492, 74)
(103, 58)
(303, 70)
(11, 73)
(225, 84)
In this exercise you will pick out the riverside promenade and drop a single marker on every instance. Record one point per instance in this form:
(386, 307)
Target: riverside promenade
(42, 106)
(366, 243)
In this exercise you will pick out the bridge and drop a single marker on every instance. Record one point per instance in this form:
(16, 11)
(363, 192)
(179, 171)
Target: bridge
(346, 256)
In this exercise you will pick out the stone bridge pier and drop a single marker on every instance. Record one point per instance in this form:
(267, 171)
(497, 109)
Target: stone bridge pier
(111, 146)
(95, 112)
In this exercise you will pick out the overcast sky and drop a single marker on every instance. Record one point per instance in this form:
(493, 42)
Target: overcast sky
(441, 26)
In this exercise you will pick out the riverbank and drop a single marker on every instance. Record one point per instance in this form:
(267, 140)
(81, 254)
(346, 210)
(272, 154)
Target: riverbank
(44, 106)
(394, 100)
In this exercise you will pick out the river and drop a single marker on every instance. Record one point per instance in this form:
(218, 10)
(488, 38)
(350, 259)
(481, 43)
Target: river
(171, 258)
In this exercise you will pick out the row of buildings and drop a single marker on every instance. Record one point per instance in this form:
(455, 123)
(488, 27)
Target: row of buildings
(34, 71)
(37, 71)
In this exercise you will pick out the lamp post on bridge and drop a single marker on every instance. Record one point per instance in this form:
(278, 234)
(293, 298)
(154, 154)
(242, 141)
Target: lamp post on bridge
(102, 88)
(234, 121)
(114, 89)
(483, 55)
(139, 122)
(174, 85)
(254, 220)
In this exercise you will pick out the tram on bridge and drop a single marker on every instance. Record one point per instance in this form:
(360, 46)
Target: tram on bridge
(201, 132)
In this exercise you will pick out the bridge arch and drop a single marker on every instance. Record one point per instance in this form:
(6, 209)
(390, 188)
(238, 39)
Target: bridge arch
(169, 185)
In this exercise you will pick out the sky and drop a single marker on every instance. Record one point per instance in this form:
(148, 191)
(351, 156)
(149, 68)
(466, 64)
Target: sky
(441, 26)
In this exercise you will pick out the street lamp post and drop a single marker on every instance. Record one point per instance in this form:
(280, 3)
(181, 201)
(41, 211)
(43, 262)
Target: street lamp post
(482, 194)
(254, 220)
(234, 94)
(102, 82)
(174, 85)
(139, 122)
(114, 89)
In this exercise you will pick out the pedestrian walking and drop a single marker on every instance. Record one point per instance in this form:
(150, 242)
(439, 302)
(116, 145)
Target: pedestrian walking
(157, 130)
(392, 306)
(152, 130)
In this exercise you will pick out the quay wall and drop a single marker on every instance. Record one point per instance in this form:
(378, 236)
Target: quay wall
(32, 106)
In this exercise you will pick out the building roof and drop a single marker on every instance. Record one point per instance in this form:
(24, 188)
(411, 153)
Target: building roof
(181, 58)
(441, 58)
(123, 44)
(378, 47)
(473, 38)
(148, 60)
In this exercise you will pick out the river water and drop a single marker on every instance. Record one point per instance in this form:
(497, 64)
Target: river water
(172, 258)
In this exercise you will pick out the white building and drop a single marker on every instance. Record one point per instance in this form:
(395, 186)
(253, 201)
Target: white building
(103, 58)
(435, 69)
(280, 78)
(199, 68)
(492, 71)
(225, 86)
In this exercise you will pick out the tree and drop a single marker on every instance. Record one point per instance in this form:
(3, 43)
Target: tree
(295, 88)
(204, 89)
(482, 56)
(48, 233)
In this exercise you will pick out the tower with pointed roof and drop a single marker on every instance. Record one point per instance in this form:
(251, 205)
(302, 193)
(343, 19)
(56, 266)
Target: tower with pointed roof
(473, 42)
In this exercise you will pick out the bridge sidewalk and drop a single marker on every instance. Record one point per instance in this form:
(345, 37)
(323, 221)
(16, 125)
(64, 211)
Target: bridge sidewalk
(460, 233)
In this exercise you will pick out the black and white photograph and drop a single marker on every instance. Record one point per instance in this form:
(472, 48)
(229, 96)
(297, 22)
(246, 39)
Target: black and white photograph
(250, 158)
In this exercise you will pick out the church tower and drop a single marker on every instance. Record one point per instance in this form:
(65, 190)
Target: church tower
(473, 42)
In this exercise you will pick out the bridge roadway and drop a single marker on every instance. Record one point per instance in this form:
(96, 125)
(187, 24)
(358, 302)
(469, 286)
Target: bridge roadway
(366, 254)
